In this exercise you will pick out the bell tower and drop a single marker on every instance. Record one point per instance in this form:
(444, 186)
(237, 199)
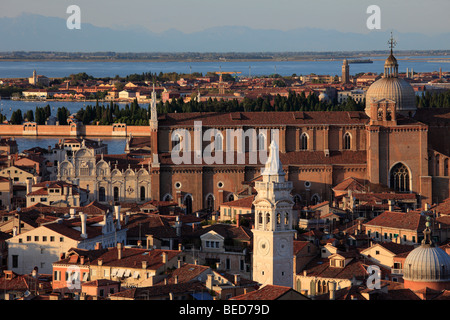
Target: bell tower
(273, 234)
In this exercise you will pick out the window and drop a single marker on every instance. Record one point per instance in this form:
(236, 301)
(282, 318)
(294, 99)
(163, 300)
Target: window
(142, 193)
(347, 141)
(116, 193)
(304, 142)
(43, 200)
(56, 275)
(102, 293)
(101, 194)
(218, 142)
(52, 238)
(61, 239)
(399, 178)
(28, 238)
(15, 261)
(36, 238)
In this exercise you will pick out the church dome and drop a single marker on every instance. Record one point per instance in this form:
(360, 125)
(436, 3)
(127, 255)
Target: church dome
(427, 263)
(395, 89)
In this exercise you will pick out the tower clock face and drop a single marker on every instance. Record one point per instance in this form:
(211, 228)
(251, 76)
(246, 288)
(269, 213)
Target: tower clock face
(263, 246)
(283, 247)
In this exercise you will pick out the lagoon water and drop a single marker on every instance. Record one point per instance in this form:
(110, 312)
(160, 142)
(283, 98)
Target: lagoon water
(20, 69)
(17, 69)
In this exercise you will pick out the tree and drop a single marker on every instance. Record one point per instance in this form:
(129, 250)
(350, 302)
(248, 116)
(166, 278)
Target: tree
(29, 115)
(16, 117)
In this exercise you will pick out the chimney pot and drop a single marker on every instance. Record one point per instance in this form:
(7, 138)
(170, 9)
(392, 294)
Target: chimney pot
(119, 250)
(144, 264)
(164, 257)
(100, 262)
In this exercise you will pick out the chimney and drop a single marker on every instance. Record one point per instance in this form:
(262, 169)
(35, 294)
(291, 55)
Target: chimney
(180, 247)
(100, 262)
(237, 279)
(119, 250)
(14, 231)
(217, 265)
(209, 281)
(238, 220)
(72, 213)
(144, 264)
(332, 288)
(164, 257)
(29, 185)
(180, 263)
(83, 225)
(175, 279)
(82, 260)
(98, 246)
(391, 205)
(196, 261)
(170, 296)
(427, 206)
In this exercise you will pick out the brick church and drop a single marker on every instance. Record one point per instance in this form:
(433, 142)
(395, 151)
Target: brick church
(391, 145)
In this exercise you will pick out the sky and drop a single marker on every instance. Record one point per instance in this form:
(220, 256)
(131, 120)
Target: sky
(422, 16)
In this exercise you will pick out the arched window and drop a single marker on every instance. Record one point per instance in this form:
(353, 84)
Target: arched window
(260, 218)
(315, 199)
(399, 178)
(167, 197)
(297, 199)
(286, 219)
(142, 193)
(278, 218)
(218, 142)
(231, 197)
(261, 141)
(347, 141)
(176, 143)
(116, 193)
(101, 194)
(304, 141)
(267, 220)
(210, 203)
(188, 203)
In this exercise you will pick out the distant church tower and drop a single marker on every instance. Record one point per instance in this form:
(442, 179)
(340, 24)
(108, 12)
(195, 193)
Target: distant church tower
(273, 234)
(345, 72)
(154, 128)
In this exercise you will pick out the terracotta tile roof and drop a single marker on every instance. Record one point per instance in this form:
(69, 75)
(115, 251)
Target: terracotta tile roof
(384, 196)
(131, 257)
(186, 273)
(263, 118)
(144, 293)
(350, 184)
(67, 231)
(299, 246)
(228, 231)
(396, 248)
(246, 202)
(443, 207)
(149, 224)
(268, 292)
(399, 220)
(99, 283)
(320, 267)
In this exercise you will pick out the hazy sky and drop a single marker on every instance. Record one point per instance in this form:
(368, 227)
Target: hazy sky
(424, 16)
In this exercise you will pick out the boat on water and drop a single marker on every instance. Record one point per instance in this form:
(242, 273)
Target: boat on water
(360, 61)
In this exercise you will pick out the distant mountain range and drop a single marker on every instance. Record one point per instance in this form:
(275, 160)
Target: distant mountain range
(30, 32)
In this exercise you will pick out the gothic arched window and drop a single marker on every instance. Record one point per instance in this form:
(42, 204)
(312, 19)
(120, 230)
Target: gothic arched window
(261, 141)
(399, 178)
(347, 141)
(304, 141)
(218, 142)
(188, 204)
(176, 143)
(210, 203)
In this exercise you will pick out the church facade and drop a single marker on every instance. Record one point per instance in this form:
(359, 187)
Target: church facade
(391, 144)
